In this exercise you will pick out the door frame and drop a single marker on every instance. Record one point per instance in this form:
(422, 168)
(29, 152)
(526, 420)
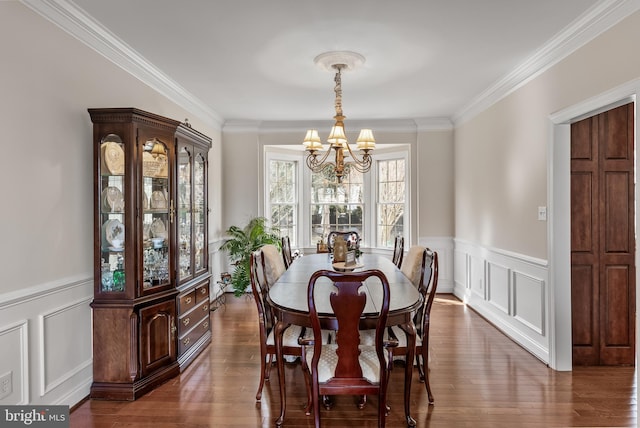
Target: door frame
(559, 210)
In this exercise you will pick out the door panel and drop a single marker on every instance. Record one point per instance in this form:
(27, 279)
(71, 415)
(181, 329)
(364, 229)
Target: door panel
(603, 238)
(581, 306)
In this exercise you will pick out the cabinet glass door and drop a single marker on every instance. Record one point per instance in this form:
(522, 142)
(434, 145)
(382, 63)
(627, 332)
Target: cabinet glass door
(185, 236)
(199, 210)
(157, 212)
(112, 207)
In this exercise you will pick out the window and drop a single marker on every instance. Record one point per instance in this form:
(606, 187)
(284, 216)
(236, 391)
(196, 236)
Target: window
(336, 206)
(306, 206)
(391, 200)
(283, 199)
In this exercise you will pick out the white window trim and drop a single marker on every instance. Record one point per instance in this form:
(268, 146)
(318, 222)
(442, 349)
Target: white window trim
(400, 153)
(303, 197)
(273, 155)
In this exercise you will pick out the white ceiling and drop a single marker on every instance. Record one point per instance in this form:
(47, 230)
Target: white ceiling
(253, 59)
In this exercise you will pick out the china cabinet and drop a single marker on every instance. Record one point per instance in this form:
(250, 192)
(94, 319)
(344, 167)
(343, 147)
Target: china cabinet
(150, 220)
(194, 330)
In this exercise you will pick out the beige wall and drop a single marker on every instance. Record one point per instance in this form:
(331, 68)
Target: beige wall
(501, 154)
(49, 79)
(431, 170)
(435, 186)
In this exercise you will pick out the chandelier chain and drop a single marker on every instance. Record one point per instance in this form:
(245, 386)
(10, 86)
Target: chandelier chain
(338, 90)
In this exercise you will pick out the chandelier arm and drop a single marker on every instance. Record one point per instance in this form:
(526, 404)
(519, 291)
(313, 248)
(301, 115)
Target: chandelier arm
(362, 166)
(365, 162)
(315, 164)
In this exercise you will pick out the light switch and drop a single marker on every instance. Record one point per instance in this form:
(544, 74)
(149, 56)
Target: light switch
(542, 213)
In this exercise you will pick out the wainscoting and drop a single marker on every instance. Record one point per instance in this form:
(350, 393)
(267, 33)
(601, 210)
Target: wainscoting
(509, 290)
(46, 339)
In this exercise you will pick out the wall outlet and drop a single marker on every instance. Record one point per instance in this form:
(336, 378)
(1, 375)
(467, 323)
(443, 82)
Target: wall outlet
(6, 385)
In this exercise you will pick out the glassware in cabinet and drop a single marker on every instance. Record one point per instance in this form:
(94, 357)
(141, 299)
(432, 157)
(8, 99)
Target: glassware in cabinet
(158, 212)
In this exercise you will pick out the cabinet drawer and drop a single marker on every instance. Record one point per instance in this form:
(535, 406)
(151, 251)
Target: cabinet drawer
(187, 301)
(193, 335)
(202, 293)
(193, 317)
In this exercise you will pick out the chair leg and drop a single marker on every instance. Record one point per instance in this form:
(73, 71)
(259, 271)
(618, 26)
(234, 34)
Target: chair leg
(420, 363)
(307, 384)
(264, 374)
(316, 406)
(425, 362)
(269, 363)
(362, 402)
(382, 410)
(327, 401)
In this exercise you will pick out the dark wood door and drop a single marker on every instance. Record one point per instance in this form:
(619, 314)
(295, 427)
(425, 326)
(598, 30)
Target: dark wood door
(157, 336)
(603, 238)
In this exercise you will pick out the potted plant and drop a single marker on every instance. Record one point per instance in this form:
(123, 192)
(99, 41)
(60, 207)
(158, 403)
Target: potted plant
(240, 245)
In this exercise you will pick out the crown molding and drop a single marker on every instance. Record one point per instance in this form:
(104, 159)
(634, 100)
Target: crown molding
(239, 126)
(75, 21)
(433, 124)
(592, 23)
(83, 27)
(301, 126)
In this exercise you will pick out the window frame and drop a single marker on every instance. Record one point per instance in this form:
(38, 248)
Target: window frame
(271, 155)
(370, 193)
(399, 154)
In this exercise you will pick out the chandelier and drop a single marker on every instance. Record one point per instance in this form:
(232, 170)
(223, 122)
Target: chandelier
(317, 158)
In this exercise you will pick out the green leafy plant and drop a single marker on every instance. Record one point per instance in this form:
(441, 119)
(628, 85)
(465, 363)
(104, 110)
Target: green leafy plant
(242, 242)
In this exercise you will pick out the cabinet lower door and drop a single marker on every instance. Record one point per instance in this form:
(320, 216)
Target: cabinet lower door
(157, 336)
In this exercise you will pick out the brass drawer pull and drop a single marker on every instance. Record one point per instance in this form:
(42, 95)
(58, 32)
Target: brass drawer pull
(203, 291)
(186, 321)
(186, 341)
(187, 300)
(205, 307)
(205, 325)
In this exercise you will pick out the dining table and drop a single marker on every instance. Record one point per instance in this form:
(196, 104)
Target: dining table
(288, 299)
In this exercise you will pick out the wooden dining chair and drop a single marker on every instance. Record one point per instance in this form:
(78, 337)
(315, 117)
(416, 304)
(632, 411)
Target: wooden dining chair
(273, 263)
(398, 251)
(422, 265)
(287, 257)
(266, 320)
(347, 367)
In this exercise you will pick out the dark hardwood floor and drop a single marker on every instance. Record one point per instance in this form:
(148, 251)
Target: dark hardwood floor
(479, 377)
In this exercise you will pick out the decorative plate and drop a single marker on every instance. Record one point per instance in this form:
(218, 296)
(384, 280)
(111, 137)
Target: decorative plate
(113, 229)
(158, 200)
(112, 200)
(150, 166)
(158, 230)
(340, 267)
(163, 166)
(113, 156)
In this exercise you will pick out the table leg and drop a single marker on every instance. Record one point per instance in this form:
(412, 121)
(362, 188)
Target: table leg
(277, 333)
(410, 330)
